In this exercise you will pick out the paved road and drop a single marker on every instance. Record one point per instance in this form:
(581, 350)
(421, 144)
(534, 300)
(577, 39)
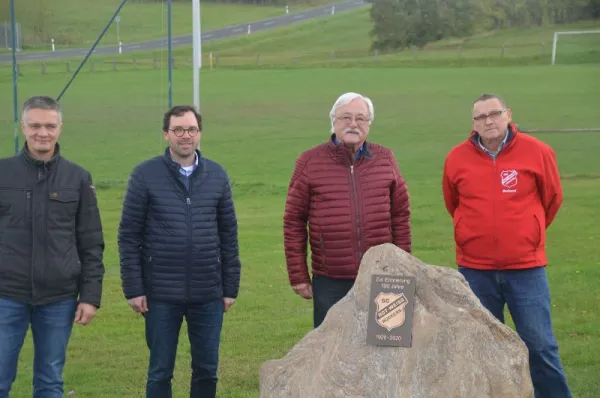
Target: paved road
(228, 32)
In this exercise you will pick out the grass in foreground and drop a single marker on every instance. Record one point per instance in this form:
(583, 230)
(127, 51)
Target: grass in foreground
(257, 122)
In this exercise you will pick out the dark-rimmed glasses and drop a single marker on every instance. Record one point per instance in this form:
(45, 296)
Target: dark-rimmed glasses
(179, 131)
(492, 115)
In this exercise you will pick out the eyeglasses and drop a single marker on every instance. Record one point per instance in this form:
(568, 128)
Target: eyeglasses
(347, 119)
(492, 115)
(179, 131)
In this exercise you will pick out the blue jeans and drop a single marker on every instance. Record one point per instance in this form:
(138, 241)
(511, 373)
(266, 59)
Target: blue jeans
(163, 323)
(527, 295)
(326, 293)
(51, 327)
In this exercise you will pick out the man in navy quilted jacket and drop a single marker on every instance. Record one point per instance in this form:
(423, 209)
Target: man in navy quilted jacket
(178, 247)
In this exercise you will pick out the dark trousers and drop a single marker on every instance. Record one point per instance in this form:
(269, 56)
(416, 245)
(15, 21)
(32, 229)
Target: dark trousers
(163, 324)
(527, 295)
(327, 292)
(51, 327)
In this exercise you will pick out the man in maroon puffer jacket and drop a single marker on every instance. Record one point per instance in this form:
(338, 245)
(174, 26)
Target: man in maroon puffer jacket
(352, 196)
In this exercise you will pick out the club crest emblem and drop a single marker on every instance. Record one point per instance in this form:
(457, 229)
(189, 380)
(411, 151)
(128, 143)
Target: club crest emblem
(390, 310)
(509, 178)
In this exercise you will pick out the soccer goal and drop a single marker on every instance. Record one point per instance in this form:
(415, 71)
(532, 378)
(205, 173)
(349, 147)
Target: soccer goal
(564, 33)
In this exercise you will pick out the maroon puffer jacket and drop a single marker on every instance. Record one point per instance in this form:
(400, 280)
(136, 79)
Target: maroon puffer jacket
(349, 207)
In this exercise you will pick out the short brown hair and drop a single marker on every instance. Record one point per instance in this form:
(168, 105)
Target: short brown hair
(180, 110)
(485, 97)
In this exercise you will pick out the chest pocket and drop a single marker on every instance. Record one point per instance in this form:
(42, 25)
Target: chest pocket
(63, 204)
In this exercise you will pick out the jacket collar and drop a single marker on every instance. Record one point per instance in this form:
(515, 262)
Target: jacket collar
(173, 165)
(343, 152)
(28, 158)
(512, 134)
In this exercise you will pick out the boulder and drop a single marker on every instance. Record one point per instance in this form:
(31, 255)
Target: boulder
(458, 348)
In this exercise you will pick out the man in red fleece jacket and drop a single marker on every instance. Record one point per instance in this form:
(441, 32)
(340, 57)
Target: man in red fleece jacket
(502, 189)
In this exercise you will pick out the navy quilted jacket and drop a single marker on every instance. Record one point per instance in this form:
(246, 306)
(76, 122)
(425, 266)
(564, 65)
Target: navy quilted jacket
(178, 245)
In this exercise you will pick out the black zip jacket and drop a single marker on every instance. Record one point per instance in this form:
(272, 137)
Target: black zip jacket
(51, 242)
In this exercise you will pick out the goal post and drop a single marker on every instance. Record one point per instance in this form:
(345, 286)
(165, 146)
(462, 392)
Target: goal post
(568, 32)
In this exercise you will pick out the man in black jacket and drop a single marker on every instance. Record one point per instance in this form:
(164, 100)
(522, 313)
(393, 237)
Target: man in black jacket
(178, 246)
(51, 248)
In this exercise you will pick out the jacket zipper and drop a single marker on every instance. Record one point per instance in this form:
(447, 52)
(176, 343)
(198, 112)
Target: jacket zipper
(42, 174)
(495, 195)
(355, 195)
(188, 211)
(29, 205)
(495, 210)
(46, 191)
(189, 245)
(322, 245)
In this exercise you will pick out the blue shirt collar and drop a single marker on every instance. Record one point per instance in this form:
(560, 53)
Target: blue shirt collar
(358, 153)
(491, 153)
(195, 165)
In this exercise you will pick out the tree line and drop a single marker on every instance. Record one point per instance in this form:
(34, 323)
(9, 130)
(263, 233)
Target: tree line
(401, 24)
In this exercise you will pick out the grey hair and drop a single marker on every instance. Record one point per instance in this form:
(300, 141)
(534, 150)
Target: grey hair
(41, 102)
(345, 99)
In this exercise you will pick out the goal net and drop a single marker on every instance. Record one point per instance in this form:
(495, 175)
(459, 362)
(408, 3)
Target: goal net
(576, 46)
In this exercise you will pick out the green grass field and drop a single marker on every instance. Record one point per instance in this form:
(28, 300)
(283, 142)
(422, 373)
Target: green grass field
(257, 122)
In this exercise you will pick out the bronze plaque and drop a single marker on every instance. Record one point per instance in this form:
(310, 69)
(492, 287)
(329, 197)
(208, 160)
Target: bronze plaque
(392, 301)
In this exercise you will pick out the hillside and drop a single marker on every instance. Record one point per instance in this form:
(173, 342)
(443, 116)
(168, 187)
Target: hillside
(77, 23)
(345, 39)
